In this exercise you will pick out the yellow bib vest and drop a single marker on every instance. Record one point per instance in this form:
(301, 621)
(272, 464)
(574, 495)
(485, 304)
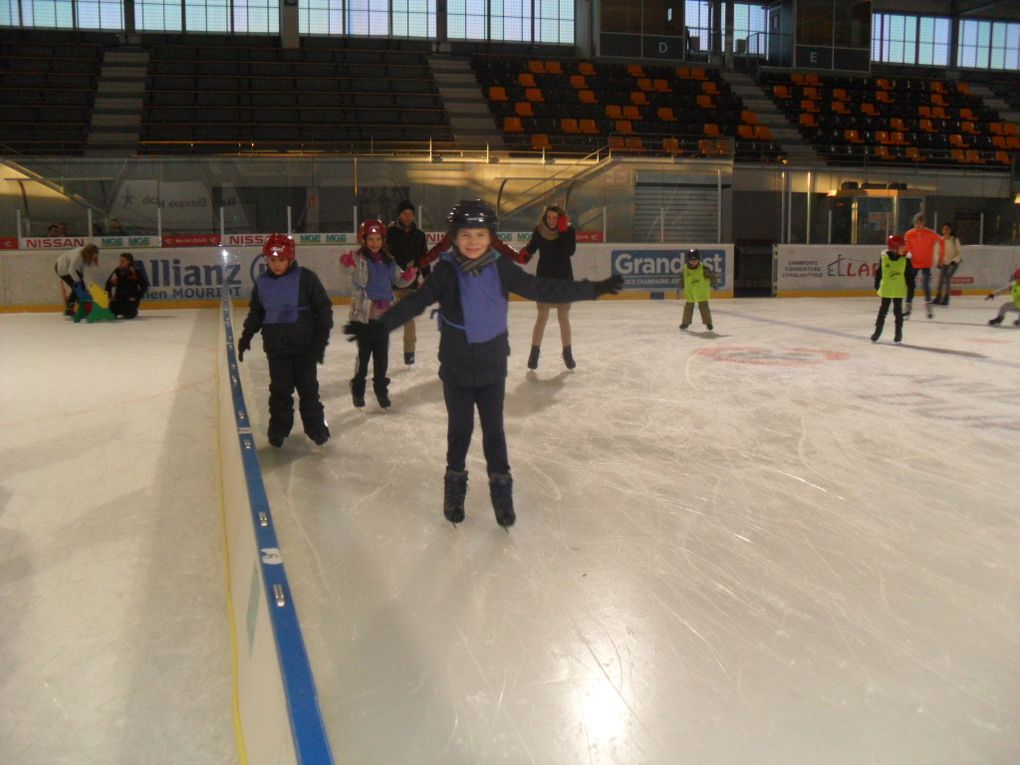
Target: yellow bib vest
(696, 285)
(1016, 292)
(894, 280)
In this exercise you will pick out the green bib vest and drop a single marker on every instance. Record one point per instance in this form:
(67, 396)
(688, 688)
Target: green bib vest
(894, 280)
(1016, 292)
(696, 285)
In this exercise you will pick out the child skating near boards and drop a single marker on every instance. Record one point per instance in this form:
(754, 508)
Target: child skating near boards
(696, 280)
(891, 283)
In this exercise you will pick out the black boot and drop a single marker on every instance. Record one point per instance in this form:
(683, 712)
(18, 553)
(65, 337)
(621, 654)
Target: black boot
(454, 492)
(358, 392)
(568, 357)
(381, 388)
(533, 358)
(501, 492)
(409, 358)
(319, 434)
(996, 321)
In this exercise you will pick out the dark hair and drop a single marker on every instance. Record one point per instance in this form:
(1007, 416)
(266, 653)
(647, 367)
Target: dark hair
(129, 256)
(387, 256)
(952, 229)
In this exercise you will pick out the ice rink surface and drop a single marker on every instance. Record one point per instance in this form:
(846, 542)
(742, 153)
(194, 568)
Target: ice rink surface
(771, 543)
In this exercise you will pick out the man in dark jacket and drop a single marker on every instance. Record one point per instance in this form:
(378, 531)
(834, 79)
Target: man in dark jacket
(472, 283)
(292, 309)
(126, 287)
(408, 245)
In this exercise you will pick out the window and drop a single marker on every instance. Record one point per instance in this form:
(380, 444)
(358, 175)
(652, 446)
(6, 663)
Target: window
(207, 16)
(414, 18)
(10, 13)
(554, 21)
(698, 20)
(48, 13)
(989, 45)
(747, 20)
(368, 17)
(466, 20)
(899, 39)
(256, 16)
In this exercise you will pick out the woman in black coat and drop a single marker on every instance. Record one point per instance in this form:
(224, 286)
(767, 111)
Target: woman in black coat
(554, 240)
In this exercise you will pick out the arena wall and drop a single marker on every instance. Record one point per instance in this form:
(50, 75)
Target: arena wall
(195, 271)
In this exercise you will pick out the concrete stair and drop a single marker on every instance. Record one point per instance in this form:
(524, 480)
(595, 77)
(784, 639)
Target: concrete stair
(117, 111)
(1006, 112)
(798, 151)
(470, 120)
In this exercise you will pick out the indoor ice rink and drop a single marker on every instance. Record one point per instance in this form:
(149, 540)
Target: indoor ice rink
(775, 542)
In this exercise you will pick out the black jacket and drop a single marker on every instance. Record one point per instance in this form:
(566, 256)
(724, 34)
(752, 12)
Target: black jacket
(309, 334)
(408, 247)
(130, 286)
(473, 365)
(554, 262)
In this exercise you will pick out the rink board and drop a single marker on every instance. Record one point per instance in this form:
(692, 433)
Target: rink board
(819, 270)
(276, 699)
(197, 276)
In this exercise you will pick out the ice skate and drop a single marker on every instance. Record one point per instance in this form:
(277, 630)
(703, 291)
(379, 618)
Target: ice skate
(533, 358)
(409, 358)
(501, 492)
(382, 394)
(358, 393)
(996, 321)
(319, 435)
(683, 327)
(568, 357)
(875, 336)
(454, 492)
(906, 310)
(709, 327)
(930, 313)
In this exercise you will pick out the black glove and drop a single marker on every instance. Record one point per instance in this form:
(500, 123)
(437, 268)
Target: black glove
(244, 344)
(609, 286)
(355, 330)
(990, 296)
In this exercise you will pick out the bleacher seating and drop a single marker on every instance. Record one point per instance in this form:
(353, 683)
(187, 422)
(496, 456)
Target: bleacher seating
(241, 90)
(902, 120)
(47, 89)
(582, 106)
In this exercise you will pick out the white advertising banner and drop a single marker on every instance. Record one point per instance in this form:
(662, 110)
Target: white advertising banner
(198, 273)
(819, 270)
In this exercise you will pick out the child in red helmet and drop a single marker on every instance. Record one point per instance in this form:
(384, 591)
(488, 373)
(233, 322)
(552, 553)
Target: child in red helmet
(1010, 305)
(891, 283)
(471, 283)
(375, 274)
(294, 313)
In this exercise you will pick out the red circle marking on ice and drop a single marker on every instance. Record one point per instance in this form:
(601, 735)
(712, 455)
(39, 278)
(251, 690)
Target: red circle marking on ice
(747, 354)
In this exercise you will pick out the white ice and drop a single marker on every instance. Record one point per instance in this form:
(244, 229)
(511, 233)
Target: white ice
(771, 543)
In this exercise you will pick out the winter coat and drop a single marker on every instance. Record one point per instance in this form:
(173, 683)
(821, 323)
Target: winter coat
(555, 254)
(408, 247)
(465, 364)
(127, 285)
(363, 308)
(300, 329)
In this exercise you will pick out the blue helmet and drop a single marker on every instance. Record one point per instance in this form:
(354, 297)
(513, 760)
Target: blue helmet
(471, 213)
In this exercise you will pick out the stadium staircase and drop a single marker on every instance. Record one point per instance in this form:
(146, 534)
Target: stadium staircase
(120, 97)
(468, 111)
(798, 151)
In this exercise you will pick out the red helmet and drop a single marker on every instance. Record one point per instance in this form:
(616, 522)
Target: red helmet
(371, 226)
(279, 246)
(894, 242)
(1016, 274)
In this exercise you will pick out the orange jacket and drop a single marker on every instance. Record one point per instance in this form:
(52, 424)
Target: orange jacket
(921, 244)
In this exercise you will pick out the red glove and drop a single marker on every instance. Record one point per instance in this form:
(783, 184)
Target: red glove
(562, 224)
(523, 256)
(408, 275)
(347, 260)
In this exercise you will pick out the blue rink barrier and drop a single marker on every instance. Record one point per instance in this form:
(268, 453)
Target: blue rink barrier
(277, 704)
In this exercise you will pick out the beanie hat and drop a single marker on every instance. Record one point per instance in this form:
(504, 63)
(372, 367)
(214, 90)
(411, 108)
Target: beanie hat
(405, 205)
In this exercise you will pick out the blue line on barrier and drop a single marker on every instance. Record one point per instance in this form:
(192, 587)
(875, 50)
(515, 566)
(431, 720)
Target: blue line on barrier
(310, 742)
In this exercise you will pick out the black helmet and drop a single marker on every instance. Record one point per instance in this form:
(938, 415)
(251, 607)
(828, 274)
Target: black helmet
(471, 213)
(692, 254)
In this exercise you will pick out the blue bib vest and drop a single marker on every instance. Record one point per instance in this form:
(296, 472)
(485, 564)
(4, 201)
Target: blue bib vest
(380, 280)
(482, 302)
(279, 296)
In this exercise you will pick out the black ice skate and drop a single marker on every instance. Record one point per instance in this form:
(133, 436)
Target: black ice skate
(501, 492)
(358, 393)
(409, 358)
(454, 492)
(533, 358)
(382, 394)
(996, 321)
(708, 327)
(568, 357)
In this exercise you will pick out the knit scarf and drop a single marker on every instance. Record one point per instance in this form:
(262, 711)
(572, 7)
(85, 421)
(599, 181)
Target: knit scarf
(545, 232)
(472, 267)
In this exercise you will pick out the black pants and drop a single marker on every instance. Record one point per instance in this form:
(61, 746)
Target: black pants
(126, 308)
(925, 284)
(460, 413)
(376, 348)
(883, 309)
(287, 373)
